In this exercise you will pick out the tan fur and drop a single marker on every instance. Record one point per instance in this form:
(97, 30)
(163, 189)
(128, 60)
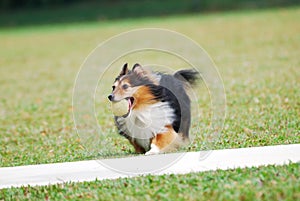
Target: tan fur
(142, 98)
(167, 141)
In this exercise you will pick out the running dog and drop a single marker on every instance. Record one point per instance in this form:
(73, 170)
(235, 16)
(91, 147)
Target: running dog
(159, 114)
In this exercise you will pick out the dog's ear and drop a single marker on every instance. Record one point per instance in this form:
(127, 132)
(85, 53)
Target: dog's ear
(124, 70)
(137, 68)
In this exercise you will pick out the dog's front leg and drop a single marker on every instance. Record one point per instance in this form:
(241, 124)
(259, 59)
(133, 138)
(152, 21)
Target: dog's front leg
(163, 141)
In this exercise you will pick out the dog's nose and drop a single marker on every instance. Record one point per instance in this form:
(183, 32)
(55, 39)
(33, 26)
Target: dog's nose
(110, 97)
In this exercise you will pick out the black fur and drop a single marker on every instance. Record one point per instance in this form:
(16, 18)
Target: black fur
(164, 94)
(190, 76)
(179, 101)
(136, 80)
(171, 90)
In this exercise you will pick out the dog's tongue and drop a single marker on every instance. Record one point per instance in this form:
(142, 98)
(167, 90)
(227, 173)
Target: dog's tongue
(130, 104)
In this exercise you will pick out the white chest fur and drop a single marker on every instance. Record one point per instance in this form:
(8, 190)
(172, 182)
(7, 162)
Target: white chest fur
(144, 124)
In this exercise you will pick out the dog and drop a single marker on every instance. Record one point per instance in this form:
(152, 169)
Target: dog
(159, 115)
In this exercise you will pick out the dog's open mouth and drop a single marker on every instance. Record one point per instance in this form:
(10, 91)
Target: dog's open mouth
(130, 103)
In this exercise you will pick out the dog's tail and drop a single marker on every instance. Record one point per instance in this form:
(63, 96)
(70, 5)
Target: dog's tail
(190, 76)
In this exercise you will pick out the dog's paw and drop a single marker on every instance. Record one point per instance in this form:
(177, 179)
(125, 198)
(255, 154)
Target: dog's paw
(154, 150)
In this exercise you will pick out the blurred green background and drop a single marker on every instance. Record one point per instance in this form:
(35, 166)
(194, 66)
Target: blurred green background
(38, 12)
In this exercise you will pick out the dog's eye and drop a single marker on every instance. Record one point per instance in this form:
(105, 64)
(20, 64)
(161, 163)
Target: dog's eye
(125, 86)
(113, 88)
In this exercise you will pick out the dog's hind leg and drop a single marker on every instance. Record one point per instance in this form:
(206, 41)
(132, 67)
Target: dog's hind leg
(138, 148)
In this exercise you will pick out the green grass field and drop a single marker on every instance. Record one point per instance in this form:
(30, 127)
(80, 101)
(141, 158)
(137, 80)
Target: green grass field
(265, 183)
(257, 53)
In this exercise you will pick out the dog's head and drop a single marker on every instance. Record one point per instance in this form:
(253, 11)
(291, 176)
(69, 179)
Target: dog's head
(128, 81)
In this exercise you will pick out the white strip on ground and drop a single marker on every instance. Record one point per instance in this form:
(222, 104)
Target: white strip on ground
(176, 163)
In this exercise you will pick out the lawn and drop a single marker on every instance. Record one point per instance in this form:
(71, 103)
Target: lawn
(265, 183)
(257, 54)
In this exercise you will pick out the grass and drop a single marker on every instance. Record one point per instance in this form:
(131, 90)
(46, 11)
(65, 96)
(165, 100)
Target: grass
(264, 183)
(257, 56)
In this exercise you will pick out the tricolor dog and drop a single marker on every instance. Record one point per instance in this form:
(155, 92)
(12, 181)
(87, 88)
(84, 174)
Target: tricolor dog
(159, 110)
